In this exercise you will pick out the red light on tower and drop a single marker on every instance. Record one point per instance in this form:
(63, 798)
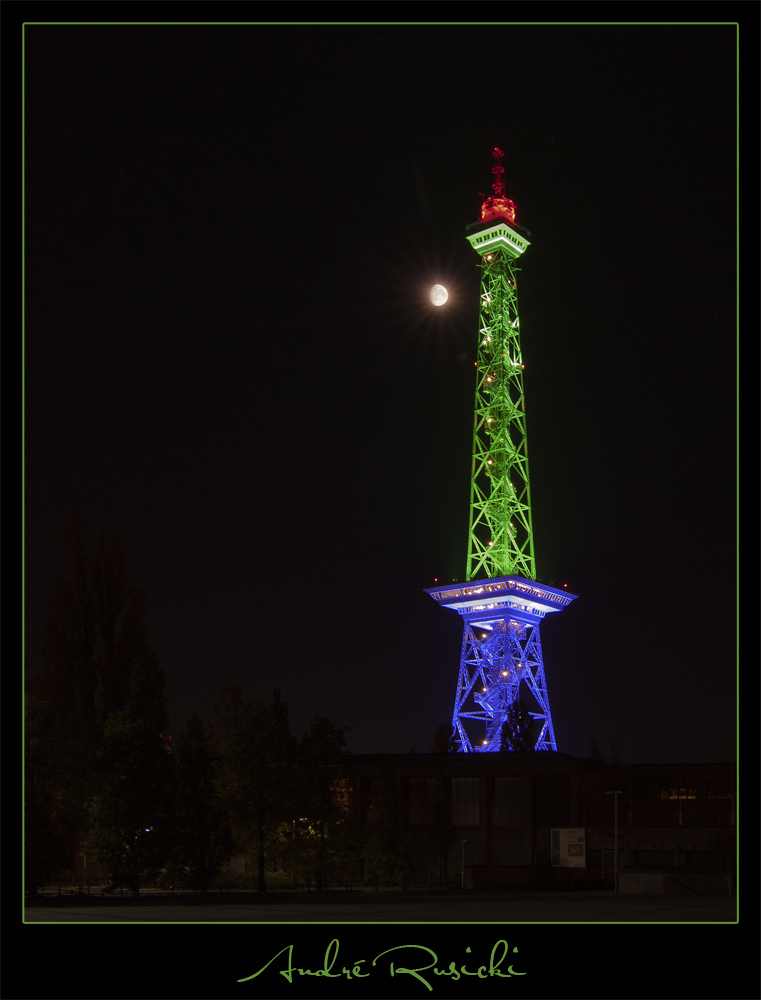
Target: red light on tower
(497, 206)
(498, 187)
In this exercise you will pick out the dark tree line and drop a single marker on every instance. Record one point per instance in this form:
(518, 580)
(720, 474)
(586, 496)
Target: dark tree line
(613, 757)
(103, 776)
(95, 714)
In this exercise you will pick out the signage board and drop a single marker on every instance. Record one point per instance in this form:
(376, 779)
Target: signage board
(568, 847)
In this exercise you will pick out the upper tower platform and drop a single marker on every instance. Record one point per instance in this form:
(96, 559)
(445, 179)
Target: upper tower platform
(496, 598)
(486, 237)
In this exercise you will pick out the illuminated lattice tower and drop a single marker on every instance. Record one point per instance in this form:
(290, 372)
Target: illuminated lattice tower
(501, 602)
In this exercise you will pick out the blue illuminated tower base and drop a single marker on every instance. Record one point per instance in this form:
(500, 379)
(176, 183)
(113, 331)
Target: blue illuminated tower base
(501, 657)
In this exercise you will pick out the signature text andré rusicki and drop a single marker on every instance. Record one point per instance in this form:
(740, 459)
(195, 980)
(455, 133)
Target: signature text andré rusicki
(414, 960)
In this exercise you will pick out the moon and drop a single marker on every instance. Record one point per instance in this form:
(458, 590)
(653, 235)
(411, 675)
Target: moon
(439, 295)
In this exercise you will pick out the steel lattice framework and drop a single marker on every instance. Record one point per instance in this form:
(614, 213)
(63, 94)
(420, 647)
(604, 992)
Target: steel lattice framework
(492, 666)
(500, 540)
(501, 602)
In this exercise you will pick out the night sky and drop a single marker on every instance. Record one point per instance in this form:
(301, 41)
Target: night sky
(230, 359)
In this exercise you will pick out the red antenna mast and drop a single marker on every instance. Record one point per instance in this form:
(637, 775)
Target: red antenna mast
(498, 187)
(498, 206)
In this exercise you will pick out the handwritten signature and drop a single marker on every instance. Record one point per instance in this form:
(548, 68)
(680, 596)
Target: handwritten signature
(360, 969)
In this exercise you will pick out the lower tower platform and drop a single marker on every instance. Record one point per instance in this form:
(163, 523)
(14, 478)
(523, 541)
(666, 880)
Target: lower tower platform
(501, 655)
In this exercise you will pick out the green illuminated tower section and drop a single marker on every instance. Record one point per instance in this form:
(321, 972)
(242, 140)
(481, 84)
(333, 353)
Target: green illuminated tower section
(500, 540)
(500, 600)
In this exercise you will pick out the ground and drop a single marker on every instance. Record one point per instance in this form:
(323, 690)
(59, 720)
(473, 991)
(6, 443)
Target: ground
(363, 907)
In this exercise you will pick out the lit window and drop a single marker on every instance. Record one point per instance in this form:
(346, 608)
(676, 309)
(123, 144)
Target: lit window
(677, 793)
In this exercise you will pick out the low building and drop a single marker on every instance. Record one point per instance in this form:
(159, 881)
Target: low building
(488, 819)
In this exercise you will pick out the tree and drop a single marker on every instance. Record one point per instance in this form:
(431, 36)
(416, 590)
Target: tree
(202, 838)
(96, 643)
(129, 810)
(518, 730)
(258, 772)
(49, 842)
(594, 753)
(616, 754)
(322, 850)
(442, 740)
(324, 742)
(65, 694)
(97, 663)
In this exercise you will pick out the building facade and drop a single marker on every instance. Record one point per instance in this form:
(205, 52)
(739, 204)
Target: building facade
(487, 820)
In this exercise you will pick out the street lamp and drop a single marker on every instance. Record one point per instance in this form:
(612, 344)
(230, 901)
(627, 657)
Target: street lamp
(616, 793)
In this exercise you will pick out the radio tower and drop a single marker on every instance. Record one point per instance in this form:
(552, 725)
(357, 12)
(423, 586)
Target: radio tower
(500, 602)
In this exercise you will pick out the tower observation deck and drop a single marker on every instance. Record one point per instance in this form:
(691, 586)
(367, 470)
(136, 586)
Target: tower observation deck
(501, 603)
